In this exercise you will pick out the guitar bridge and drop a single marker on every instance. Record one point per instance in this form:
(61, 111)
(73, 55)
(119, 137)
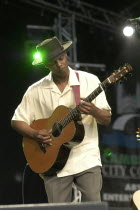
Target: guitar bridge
(43, 148)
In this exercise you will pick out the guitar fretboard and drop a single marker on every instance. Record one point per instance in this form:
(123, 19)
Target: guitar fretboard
(102, 86)
(75, 112)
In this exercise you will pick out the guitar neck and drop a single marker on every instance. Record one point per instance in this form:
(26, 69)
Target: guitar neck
(102, 86)
(75, 112)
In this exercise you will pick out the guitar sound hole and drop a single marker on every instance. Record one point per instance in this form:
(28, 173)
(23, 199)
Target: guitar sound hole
(57, 129)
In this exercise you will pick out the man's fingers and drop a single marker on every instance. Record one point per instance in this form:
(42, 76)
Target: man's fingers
(46, 142)
(84, 109)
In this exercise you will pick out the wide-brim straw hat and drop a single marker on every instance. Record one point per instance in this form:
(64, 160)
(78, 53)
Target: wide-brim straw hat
(49, 49)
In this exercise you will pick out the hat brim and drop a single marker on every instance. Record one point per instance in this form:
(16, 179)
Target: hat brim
(38, 61)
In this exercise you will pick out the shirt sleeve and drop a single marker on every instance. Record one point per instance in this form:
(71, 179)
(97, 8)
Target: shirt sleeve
(25, 110)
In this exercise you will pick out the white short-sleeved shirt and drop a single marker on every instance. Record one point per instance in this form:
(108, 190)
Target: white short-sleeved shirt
(41, 99)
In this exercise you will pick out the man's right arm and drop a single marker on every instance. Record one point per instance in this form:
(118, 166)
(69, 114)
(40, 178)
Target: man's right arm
(25, 130)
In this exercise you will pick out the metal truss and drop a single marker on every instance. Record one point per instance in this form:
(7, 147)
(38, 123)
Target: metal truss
(83, 12)
(70, 11)
(65, 30)
(67, 13)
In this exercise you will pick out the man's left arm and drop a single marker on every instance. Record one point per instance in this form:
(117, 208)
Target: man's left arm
(102, 116)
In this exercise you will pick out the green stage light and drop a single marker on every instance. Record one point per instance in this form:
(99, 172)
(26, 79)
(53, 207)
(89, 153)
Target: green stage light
(37, 56)
(107, 152)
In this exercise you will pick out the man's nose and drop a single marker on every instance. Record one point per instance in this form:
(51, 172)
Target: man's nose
(58, 63)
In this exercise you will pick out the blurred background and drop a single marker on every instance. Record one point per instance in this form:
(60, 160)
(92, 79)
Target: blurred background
(99, 47)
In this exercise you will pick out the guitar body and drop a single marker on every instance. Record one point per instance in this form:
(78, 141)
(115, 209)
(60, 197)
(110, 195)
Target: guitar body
(55, 156)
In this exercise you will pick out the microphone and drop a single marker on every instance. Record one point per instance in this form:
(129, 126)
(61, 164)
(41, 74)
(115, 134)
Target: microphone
(134, 21)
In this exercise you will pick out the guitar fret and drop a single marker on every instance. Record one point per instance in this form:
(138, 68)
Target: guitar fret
(93, 94)
(69, 117)
(106, 83)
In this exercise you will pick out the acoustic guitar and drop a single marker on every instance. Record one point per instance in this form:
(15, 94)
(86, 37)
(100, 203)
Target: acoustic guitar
(67, 132)
(136, 200)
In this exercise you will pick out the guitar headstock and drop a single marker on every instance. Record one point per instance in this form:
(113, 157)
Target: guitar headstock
(138, 134)
(120, 73)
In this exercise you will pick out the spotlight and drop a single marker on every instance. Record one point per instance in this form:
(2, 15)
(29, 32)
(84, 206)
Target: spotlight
(37, 55)
(128, 31)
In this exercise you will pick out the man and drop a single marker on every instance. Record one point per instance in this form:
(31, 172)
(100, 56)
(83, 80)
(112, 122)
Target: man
(83, 166)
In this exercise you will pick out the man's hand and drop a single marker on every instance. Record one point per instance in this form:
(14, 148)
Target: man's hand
(85, 107)
(102, 116)
(43, 136)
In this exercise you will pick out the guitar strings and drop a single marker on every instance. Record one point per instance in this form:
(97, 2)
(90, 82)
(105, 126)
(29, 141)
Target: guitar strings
(74, 112)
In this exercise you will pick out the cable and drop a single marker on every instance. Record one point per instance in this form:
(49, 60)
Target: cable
(23, 182)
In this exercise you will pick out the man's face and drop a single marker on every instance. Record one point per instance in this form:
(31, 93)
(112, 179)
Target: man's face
(58, 65)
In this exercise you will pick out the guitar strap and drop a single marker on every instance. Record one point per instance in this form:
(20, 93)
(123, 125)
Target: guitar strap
(76, 90)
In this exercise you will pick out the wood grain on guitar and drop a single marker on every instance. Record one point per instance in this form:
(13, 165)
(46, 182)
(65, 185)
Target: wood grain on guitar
(67, 132)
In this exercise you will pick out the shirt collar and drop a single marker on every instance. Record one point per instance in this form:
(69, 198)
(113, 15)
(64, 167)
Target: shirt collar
(73, 80)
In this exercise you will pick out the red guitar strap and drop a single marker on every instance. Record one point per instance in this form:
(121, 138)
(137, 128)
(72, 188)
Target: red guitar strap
(76, 90)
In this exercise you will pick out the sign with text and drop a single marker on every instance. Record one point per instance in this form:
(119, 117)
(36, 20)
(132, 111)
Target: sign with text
(120, 155)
